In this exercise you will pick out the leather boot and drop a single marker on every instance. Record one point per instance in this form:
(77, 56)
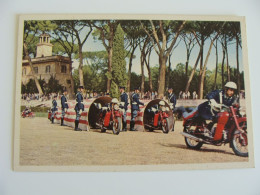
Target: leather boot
(52, 120)
(76, 125)
(132, 125)
(124, 126)
(61, 124)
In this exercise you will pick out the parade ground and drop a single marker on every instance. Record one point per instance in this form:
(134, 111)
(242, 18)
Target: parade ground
(46, 144)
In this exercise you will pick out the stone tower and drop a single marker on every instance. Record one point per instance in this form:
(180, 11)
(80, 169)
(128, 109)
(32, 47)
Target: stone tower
(44, 47)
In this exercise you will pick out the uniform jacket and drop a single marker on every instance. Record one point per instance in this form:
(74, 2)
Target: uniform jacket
(79, 100)
(64, 102)
(172, 99)
(54, 106)
(135, 101)
(220, 97)
(124, 98)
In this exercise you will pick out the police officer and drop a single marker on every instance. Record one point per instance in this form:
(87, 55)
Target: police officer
(210, 110)
(64, 106)
(54, 108)
(134, 107)
(79, 107)
(171, 98)
(123, 105)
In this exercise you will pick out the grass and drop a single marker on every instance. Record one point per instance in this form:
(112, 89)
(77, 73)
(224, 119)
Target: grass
(41, 114)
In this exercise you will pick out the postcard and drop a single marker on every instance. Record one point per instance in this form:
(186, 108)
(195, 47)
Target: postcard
(132, 93)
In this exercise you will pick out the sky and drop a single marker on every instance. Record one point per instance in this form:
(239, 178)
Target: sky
(178, 56)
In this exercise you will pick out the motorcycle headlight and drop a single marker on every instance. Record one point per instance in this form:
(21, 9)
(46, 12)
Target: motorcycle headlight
(116, 107)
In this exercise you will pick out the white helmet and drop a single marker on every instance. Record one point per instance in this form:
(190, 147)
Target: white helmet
(114, 101)
(231, 85)
(162, 103)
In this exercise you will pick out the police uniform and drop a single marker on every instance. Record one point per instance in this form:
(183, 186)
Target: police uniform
(134, 109)
(220, 97)
(123, 105)
(64, 106)
(79, 106)
(172, 100)
(53, 109)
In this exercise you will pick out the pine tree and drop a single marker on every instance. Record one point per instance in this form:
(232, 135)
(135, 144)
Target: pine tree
(119, 77)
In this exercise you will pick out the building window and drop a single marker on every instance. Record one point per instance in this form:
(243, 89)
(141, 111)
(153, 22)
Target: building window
(35, 70)
(63, 69)
(48, 69)
(68, 82)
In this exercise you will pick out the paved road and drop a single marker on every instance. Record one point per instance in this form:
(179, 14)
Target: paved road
(43, 143)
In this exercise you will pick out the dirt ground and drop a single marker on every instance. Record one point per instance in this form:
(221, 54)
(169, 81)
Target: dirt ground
(43, 143)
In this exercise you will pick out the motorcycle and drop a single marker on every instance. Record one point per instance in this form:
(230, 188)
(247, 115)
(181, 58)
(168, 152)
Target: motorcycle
(198, 132)
(159, 119)
(110, 117)
(27, 113)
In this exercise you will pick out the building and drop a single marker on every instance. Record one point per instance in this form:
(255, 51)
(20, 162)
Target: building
(45, 65)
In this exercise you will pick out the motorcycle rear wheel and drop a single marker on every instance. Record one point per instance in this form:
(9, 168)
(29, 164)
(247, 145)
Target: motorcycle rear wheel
(166, 126)
(117, 123)
(239, 142)
(190, 143)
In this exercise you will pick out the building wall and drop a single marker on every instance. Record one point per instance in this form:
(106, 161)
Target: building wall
(55, 71)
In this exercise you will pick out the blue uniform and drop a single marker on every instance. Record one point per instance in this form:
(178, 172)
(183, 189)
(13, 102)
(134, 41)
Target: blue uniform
(172, 99)
(134, 109)
(79, 106)
(124, 100)
(63, 105)
(219, 96)
(53, 109)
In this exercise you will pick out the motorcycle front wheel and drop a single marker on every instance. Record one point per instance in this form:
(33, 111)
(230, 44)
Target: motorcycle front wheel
(166, 126)
(239, 141)
(117, 123)
(190, 143)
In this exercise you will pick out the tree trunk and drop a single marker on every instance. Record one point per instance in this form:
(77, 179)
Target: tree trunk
(161, 79)
(129, 75)
(31, 66)
(222, 67)
(216, 72)
(187, 64)
(228, 70)
(193, 72)
(109, 70)
(149, 72)
(204, 71)
(238, 72)
(130, 68)
(201, 67)
(168, 71)
(142, 75)
(81, 78)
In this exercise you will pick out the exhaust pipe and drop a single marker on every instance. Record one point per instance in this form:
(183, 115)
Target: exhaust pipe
(192, 137)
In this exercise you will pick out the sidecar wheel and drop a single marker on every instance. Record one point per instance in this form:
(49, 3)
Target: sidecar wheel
(117, 124)
(239, 141)
(166, 126)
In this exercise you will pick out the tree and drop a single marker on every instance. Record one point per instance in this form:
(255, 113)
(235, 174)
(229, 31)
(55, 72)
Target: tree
(32, 28)
(160, 33)
(134, 34)
(118, 63)
(65, 44)
(106, 32)
(236, 33)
